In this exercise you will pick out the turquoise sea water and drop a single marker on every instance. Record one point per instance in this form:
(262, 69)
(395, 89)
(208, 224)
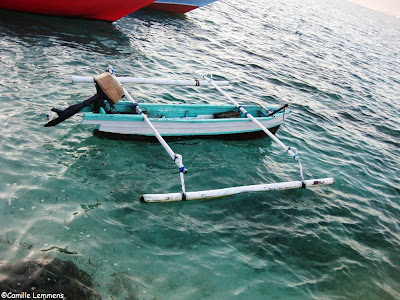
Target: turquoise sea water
(337, 66)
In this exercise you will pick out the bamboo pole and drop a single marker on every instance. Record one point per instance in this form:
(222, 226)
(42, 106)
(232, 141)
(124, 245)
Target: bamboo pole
(248, 115)
(202, 195)
(290, 150)
(193, 82)
(177, 158)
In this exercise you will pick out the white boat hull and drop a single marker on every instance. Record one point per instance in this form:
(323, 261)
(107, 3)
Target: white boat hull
(178, 127)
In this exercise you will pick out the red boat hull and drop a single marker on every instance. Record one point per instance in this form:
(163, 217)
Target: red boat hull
(92, 9)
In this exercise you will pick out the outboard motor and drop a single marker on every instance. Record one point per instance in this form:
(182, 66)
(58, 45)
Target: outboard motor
(107, 89)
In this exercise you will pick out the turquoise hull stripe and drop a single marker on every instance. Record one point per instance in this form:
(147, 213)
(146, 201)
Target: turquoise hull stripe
(175, 113)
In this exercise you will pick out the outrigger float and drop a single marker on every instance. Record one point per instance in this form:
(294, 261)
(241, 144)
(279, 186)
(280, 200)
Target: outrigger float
(156, 121)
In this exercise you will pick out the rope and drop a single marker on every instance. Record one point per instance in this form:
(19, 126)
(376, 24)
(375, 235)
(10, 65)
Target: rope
(182, 171)
(297, 157)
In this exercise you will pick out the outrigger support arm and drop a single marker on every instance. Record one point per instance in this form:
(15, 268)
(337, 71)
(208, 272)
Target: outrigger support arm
(177, 158)
(291, 150)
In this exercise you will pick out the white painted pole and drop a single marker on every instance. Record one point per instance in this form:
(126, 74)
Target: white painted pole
(177, 158)
(248, 115)
(202, 195)
(193, 82)
(272, 136)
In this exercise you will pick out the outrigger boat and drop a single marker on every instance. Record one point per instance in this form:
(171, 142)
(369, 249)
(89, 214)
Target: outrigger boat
(172, 121)
(156, 121)
(183, 121)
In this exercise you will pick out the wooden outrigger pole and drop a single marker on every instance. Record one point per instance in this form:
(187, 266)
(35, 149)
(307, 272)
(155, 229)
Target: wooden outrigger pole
(207, 194)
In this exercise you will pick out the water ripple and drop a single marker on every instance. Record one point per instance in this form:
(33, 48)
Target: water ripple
(335, 63)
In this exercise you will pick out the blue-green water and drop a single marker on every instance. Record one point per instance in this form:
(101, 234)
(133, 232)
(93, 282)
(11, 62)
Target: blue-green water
(64, 187)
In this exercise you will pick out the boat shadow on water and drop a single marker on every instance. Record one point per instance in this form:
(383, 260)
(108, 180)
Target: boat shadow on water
(224, 137)
(88, 35)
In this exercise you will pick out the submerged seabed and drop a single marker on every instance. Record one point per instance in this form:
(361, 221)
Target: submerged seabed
(335, 63)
